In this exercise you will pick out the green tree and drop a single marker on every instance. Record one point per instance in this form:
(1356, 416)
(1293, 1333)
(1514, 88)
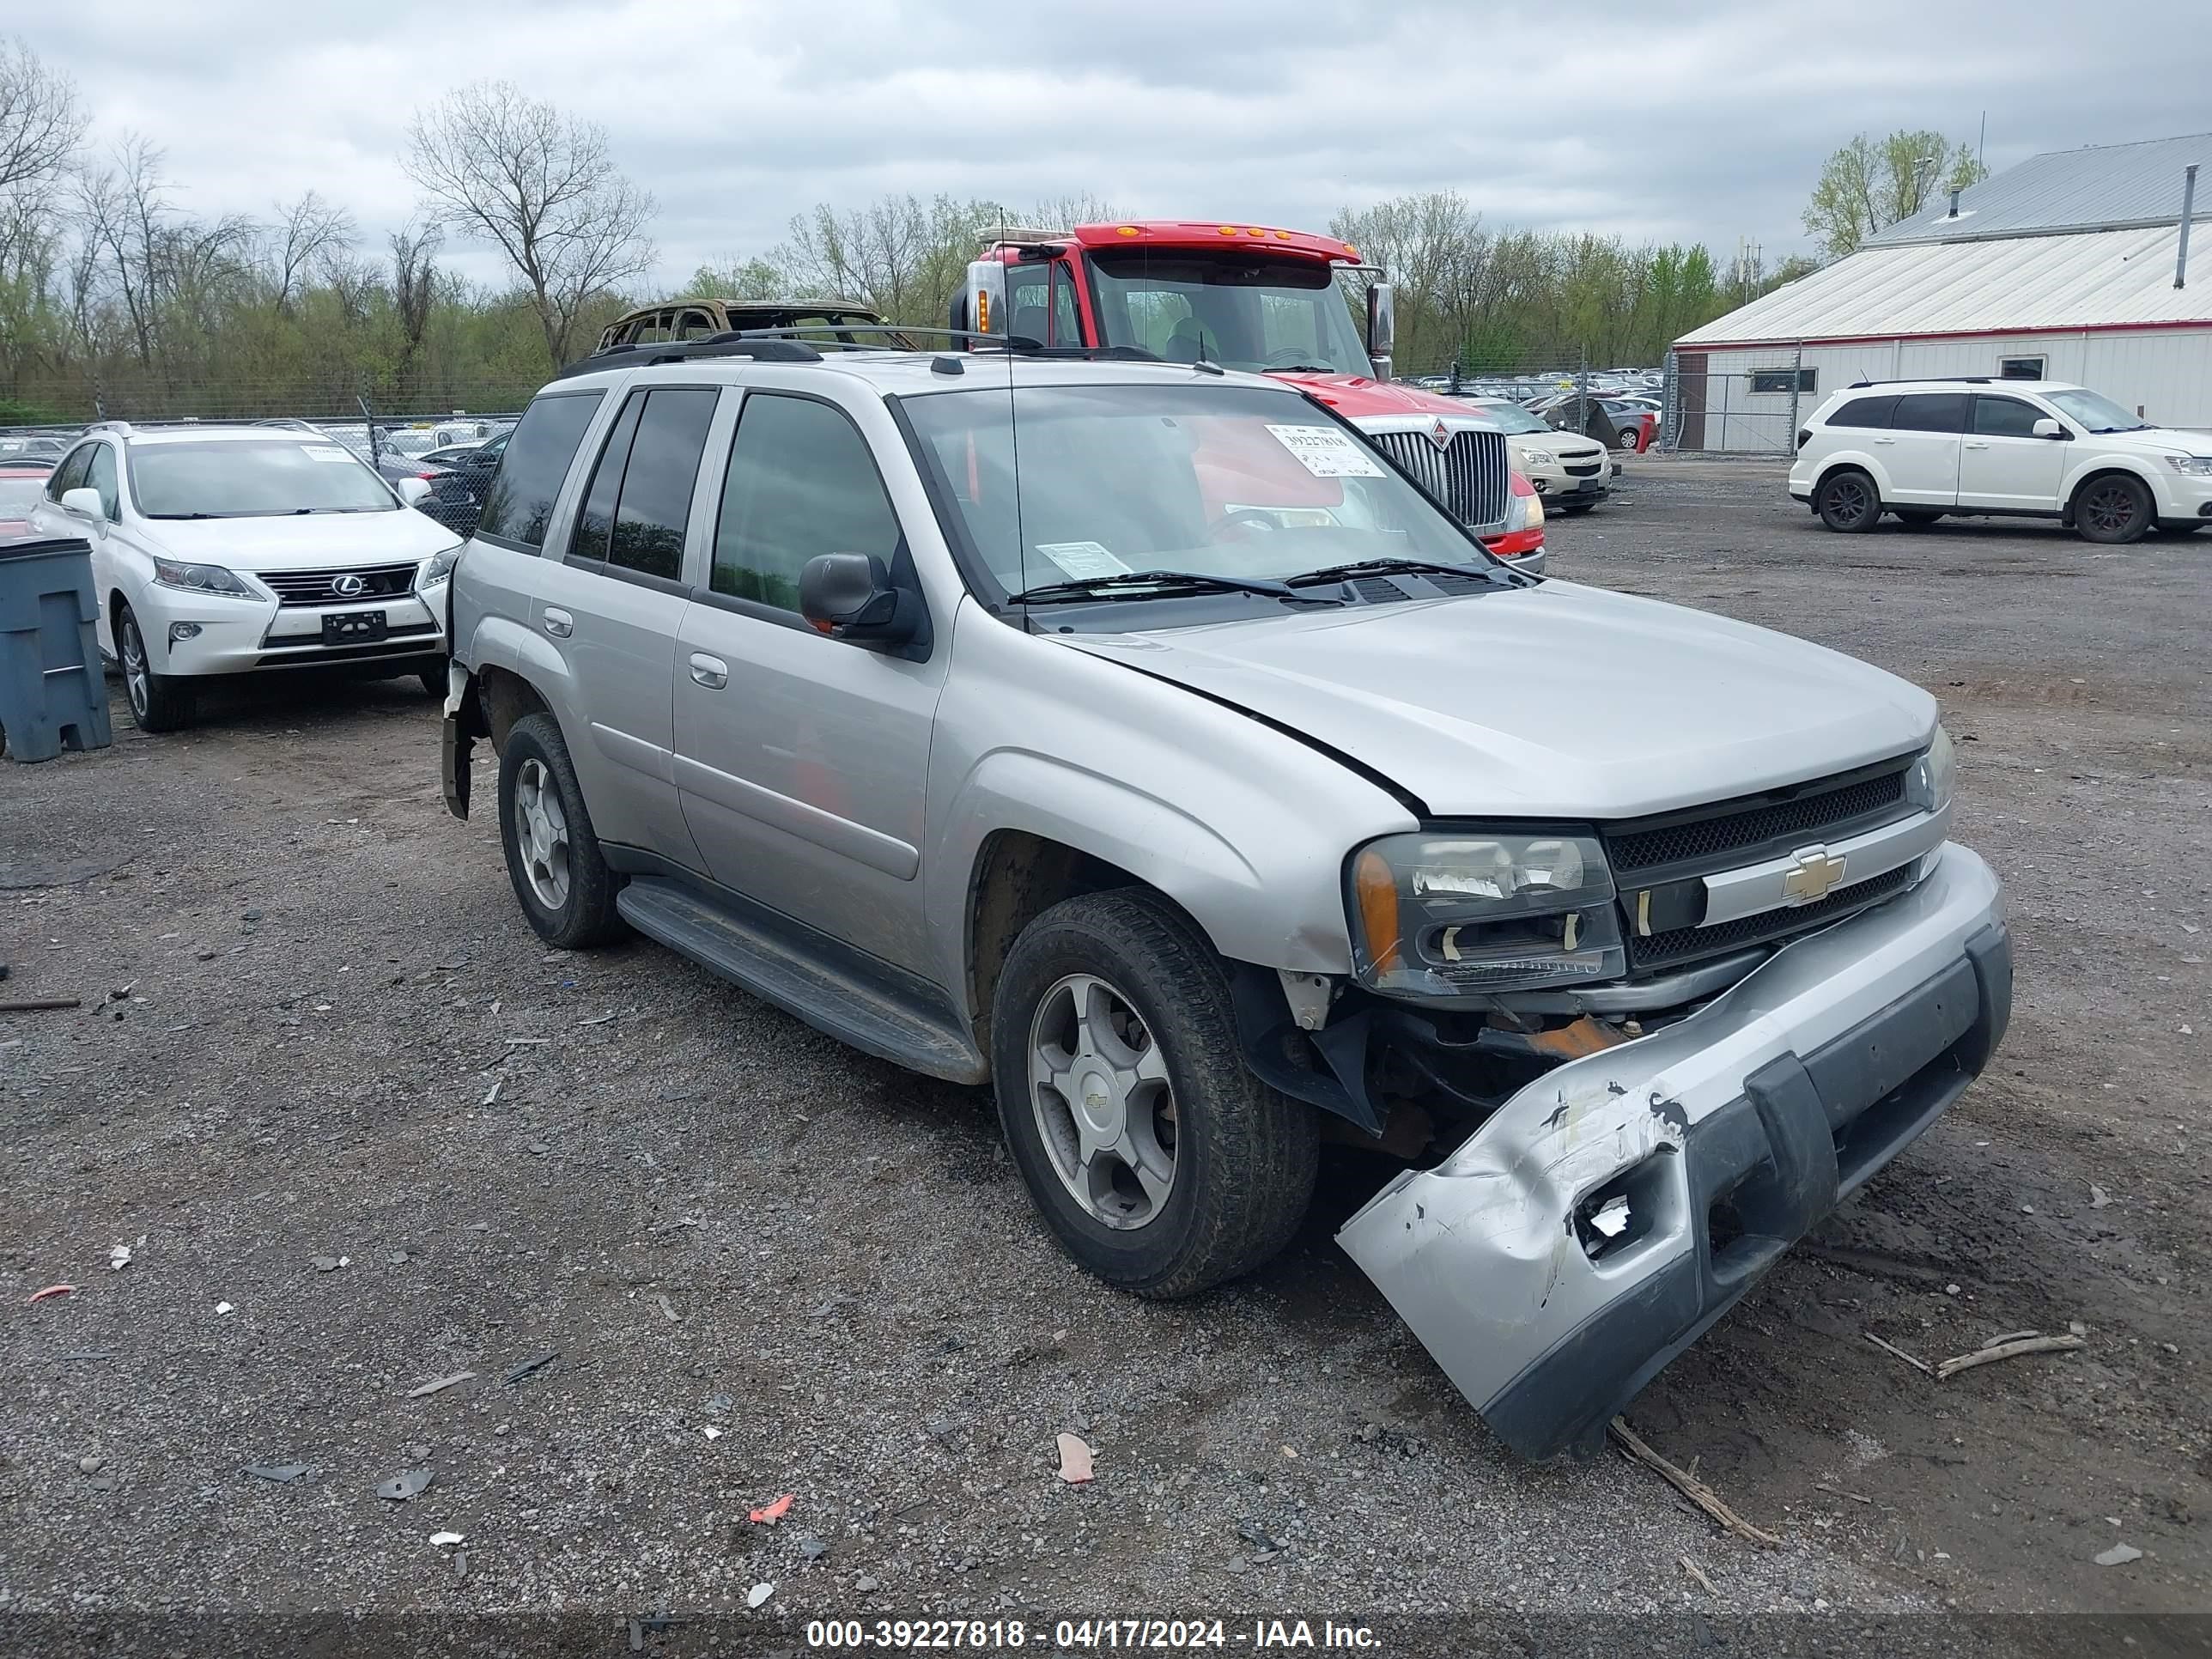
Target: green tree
(1871, 184)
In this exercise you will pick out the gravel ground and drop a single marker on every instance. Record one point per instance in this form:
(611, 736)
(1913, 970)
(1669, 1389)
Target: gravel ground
(360, 1132)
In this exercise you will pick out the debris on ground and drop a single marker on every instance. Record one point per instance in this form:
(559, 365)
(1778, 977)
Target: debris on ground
(91, 1463)
(1891, 1347)
(2118, 1556)
(37, 1005)
(1690, 1486)
(758, 1594)
(669, 1308)
(867, 1583)
(282, 1473)
(1074, 1458)
(1696, 1576)
(2098, 1196)
(224, 1307)
(2011, 1345)
(710, 1431)
(446, 1540)
(530, 1365)
(330, 1264)
(403, 1485)
(769, 1514)
(50, 1289)
(118, 1257)
(439, 1382)
(812, 1548)
(719, 1403)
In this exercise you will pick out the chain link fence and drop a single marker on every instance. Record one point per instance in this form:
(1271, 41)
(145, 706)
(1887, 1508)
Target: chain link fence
(1736, 403)
(1618, 404)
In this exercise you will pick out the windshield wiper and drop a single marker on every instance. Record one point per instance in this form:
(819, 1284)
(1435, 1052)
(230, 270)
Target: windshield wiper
(1304, 368)
(1123, 583)
(1383, 567)
(180, 515)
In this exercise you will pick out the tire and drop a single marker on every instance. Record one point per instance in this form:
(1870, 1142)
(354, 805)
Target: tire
(1917, 517)
(560, 879)
(1625, 439)
(1238, 1157)
(1847, 502)
(158, 703)
(1575, 509)
(434, 683)
(2177, 530)
(2113, 509)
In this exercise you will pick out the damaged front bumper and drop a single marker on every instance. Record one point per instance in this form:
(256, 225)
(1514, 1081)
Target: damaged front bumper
(1728, 1134)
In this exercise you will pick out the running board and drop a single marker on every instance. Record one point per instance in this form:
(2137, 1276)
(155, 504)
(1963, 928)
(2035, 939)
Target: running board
(869, 1011)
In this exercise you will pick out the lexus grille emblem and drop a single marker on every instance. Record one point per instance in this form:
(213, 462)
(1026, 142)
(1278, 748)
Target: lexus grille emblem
(1817, 871)
(348, 585)
(1440, 435)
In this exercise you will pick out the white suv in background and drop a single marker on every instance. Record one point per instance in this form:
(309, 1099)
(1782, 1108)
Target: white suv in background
(1975, 445)
(230, 549)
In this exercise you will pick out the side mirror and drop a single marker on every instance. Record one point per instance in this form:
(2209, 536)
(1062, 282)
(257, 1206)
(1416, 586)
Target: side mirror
(986, 300)
(850, 596)
(2047, 428)
(413, 491)
(85, 503)
(1382, 327)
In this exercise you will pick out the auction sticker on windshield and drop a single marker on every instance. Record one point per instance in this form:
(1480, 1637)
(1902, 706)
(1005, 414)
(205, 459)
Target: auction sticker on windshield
(1083, 559)
(315, 453)
(1326, 453)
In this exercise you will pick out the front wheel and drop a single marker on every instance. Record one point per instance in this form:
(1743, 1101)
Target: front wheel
(158, 701)
(1846, 501)
(553, 858)
(1574, 509)
(1914, 518)
(2114, 510)
(1162, 1163)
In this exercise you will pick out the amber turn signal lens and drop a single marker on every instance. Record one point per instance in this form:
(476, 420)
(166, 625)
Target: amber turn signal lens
(1376, 888)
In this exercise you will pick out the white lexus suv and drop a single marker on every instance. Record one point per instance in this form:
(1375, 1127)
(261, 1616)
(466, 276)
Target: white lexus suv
(1976, 446)
(236, 549)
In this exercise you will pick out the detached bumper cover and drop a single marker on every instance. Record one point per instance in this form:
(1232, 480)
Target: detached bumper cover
(1729, 1134)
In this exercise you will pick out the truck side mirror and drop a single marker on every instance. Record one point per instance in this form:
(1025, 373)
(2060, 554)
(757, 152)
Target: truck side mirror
(1382, 327)
(986, 299)
(851, 596)
(2046, 427)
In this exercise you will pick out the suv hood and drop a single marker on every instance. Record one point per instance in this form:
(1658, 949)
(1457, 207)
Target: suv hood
(1557, 701)
(2160, 438)
(321, 541)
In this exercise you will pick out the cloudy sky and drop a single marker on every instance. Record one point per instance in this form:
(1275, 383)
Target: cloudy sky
(1650, 119)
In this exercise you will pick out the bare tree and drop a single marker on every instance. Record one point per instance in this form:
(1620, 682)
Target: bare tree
(512, 170)
(41, 124)
(306, 234)
(414, 279)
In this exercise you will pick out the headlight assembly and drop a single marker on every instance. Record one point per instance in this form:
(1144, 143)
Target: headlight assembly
(440, 566)
(2195, 466)
(1928, 786)
(201, 578)
(1463, 913)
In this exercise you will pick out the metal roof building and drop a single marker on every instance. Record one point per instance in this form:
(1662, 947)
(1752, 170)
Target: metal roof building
(2065, 267)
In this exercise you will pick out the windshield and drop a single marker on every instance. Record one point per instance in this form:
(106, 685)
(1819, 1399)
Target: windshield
(1241, 312)
(237, 480)
(1229, 480)
(1511, 417)
(2098, 413)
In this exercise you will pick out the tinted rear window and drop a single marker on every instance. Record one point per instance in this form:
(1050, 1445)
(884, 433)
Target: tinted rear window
(521, 500)
(1872, 413)
(1930, 411)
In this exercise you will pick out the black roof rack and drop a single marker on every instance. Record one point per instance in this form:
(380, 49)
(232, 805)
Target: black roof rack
(1932, 379)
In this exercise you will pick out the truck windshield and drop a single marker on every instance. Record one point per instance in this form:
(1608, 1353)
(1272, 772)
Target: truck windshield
(1237, 311)
(1073, 483)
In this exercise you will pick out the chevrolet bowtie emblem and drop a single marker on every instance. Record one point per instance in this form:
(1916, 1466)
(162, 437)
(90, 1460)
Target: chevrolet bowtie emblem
(1818, 870)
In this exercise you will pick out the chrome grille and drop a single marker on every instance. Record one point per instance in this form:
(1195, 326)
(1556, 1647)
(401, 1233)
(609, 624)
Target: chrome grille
(380, 581)
(1472, 477)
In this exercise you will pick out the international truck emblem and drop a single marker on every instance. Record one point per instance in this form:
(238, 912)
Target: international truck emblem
(1818, 870)
(1440, 435)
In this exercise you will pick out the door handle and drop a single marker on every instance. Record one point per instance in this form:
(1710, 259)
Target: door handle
(710, 671)
(559, 623)
(1974, 444)
(1885, 440)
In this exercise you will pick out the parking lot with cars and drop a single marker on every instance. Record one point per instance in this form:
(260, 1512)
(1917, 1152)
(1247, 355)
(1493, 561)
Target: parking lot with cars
(358, 1131)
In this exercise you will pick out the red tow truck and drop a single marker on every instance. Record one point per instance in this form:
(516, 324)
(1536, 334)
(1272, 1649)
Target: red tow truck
(1250, 297)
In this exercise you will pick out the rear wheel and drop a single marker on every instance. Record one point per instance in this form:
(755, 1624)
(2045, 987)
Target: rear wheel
(1162, 1163)
(2114, 510)
(553, 858)
(1846, 501)
(158, 701)
(1915, 519)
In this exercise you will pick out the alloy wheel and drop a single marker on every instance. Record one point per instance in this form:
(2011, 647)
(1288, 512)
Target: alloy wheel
(135, 671)
(1105, 1109)
(1849, 499)
(2110, 509)
(541, 831)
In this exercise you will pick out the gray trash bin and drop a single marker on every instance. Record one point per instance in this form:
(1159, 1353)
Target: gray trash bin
(53, 695)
